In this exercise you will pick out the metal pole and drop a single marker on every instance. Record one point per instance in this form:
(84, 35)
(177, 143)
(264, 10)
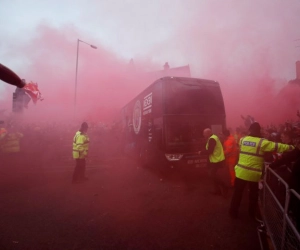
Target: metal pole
(75, 96)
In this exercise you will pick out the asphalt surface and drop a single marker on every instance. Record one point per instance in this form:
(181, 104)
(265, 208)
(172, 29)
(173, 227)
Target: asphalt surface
(121, 206)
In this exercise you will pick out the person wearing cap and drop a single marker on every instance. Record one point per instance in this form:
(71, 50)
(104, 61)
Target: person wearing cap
(80, 152)
(248, 170)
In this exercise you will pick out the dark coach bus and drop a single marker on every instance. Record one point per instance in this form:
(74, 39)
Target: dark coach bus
(164, 124)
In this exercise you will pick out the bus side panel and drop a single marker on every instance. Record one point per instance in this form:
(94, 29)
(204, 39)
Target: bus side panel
(142, 125)
(151, 148)
(155, 145)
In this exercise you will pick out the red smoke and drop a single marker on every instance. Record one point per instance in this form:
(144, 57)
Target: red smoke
(247, 46)
(104, 82)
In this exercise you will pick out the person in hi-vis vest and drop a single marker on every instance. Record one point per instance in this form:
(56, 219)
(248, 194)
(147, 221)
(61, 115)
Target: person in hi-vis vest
(80, 152)
(248, 170)
(231, 154)
(216, 163)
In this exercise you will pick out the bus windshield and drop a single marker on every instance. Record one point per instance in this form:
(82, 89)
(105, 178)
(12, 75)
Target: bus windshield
(184, 132)
(193, 97)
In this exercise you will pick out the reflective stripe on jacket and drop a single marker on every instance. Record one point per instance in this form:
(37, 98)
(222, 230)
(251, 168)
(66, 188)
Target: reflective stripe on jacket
(11, 143)
(251, 157)
(80, 145)
(218, 154)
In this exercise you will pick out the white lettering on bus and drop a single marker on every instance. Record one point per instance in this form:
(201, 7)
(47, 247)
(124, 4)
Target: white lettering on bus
(148, 111)
(147, 101)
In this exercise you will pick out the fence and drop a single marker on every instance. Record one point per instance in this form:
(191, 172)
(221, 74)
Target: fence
(280, 212)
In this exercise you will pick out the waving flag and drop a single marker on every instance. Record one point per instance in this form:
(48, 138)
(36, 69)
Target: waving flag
(33, 91)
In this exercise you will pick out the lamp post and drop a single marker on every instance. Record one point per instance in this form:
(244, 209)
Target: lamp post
(75, 96)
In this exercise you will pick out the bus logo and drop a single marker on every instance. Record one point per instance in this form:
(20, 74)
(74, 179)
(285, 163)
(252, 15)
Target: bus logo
(147, 104)
(137, 117)
(148, 101)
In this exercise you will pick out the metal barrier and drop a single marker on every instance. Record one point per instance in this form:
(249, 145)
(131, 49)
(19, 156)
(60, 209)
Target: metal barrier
(279, 207)
(292, 240)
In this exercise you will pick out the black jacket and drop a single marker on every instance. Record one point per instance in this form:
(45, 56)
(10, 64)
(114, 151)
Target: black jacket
(292, 160)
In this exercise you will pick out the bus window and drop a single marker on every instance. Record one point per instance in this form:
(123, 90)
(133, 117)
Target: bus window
(185, 98)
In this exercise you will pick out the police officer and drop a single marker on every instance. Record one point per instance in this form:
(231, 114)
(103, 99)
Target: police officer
(11, 141)
(216, 162)
(249, 168)
(80, 152)
(11, 148)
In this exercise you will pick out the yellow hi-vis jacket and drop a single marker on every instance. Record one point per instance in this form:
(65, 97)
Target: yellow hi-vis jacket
(251, 156)
(80, 145)
(11, 143)
(218, 153)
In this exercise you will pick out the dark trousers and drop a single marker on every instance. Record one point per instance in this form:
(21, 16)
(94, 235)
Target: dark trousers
(220, 178)
(239, 186)
(79, 171)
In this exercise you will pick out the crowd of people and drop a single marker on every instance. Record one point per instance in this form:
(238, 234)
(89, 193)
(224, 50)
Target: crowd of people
(45, 144)
(48, 144)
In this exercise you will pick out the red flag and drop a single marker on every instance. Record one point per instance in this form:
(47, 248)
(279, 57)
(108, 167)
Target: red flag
(33, 91)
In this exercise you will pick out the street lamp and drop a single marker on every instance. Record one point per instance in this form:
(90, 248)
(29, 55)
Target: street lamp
(92, 46)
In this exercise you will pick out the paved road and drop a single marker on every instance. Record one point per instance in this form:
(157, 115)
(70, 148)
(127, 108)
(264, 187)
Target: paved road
(120, 207)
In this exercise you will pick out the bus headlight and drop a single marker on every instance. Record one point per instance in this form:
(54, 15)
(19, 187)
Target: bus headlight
(173, 157)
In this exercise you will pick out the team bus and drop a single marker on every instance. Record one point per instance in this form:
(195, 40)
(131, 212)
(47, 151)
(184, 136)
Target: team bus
(164, 124)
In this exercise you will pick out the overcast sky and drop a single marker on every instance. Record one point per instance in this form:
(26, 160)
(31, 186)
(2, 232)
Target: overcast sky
(137, 27)
(226, 40)
(128, 27)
